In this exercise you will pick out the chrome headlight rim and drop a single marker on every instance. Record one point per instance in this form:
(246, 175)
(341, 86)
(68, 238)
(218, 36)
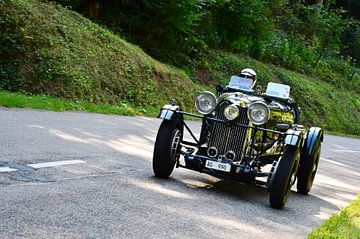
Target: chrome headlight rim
(200, 100)
(231, 115)
(263, 106)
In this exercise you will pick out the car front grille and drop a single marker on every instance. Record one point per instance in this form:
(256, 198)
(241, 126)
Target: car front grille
(227, 137)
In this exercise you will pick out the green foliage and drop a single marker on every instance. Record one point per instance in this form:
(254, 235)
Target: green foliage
(18, 100)
(57, 52)
(352, 6)
(304, 36)
(286, 50)
(48, 49)
(344, 225)
(166, 26)
(335, 108)
(240, 26)
(351, 42)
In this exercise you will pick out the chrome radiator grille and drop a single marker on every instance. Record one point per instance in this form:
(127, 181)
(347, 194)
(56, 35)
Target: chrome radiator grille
(228, 137)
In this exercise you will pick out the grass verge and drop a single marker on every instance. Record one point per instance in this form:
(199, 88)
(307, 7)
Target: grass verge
(344, 225)
(45, 102)
(19, 100)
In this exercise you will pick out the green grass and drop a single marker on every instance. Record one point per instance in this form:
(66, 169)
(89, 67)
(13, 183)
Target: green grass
(18, 100)
(342, 134)
(47, 49)
(344, 225)
(334, 108)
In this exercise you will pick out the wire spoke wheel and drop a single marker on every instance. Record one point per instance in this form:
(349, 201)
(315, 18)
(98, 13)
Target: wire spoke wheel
(166, 149)
(307, 170)
(284, 177)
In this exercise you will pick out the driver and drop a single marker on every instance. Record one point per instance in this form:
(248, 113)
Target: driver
(245, 81)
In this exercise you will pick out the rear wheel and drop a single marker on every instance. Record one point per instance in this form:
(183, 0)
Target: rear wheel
(284, 177)
(166, 150)
(307, 170)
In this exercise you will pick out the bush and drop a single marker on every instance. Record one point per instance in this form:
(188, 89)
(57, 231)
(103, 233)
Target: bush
(298, 36)
(239, 26)
(158, 26)
(48, 49)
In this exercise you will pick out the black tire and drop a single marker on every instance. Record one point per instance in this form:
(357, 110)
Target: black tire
(166, 149)
(307, 170)
(284, 177)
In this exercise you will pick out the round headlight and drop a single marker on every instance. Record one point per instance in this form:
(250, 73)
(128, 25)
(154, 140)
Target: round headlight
(206, 102)
(231, 112)
(258, 113)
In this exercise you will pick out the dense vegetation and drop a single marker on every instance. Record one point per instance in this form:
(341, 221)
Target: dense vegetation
(60, 53)
(299, 35)
(45, 48)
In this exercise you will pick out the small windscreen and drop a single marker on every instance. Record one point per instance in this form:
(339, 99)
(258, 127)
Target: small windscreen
(242, 83)
(278, 90)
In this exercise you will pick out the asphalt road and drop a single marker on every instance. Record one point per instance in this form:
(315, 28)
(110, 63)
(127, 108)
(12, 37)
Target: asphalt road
(109, 191)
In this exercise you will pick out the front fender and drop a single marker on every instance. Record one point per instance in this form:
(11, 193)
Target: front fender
(293, 137)
(169, 112)
(314, 136)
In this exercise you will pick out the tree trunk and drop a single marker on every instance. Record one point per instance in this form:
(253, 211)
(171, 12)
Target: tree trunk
(319, 57)
(93, 9)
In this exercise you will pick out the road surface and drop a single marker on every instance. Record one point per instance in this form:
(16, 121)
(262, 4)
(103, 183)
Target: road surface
(83, 175)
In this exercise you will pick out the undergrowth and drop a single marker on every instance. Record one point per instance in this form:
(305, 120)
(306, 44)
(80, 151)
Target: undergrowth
(49, 50)
(45, 48)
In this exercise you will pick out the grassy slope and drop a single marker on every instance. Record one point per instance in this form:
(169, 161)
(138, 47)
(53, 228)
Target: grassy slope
(336, 108)
(45, 102)
(344, 225)
(57, 52)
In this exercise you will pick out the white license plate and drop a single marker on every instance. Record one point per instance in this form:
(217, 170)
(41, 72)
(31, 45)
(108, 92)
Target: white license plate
(218, 166)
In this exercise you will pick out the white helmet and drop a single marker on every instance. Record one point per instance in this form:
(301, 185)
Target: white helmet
(249, 72)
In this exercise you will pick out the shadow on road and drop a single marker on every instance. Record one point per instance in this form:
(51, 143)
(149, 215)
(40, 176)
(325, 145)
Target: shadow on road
(222, 204)
(187, 205)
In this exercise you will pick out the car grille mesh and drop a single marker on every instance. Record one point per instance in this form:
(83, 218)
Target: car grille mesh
(228, 137)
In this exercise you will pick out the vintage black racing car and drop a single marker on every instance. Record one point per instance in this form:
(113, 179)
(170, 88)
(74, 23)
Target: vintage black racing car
(251, 137)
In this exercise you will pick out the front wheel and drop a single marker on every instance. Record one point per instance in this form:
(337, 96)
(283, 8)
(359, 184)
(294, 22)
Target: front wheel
(307, 169)
(166, 150)
(284, 177)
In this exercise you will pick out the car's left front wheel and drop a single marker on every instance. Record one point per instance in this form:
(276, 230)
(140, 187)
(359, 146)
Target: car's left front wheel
(166, 150)
(284, 177)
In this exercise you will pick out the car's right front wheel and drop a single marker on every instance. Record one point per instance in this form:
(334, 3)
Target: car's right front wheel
(284, 177)
(166, 150)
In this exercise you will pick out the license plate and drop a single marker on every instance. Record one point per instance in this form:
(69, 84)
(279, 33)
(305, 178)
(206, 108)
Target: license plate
(218, 166)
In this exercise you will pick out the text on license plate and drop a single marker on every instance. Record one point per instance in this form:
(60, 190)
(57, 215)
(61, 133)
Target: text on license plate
(218, 166)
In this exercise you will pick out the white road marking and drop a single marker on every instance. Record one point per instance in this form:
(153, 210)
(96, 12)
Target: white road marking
(7, 169)
(43, 165)
(345, 150)
(331, 161)
(339, 146)
(53, 164)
